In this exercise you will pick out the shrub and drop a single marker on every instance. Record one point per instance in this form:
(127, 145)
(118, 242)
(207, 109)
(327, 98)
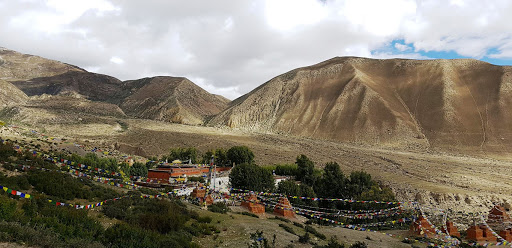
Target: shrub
(204, 219)
(297, 224)
(287, 228)
(65, 187)
(282, 219)
(313, 231)
(304, 239)
(333, 243)
(250, 214)
(219, 207)
(7, 208)
(359, 244)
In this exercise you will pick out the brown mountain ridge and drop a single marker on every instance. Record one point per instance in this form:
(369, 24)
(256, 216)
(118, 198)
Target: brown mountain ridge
(169, 99)
(174, 99)
(396, 102)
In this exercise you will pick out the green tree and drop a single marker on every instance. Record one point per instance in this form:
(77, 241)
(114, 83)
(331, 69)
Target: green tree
(332, 183)
(139, 169)
(360, 181)
(220, 155)
(305, 170)
(240, 154)
(251, 177)
(376, 193)
(183, 154)
(286, 169)
(289, 187)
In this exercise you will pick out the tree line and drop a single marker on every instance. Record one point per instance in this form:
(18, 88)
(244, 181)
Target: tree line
(306, 180)
(222, 157)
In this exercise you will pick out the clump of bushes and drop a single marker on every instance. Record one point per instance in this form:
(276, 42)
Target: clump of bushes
(287, 228)
(219, 207)
(65, 187)
(249, 214)
(282, 219)
(313, 231)
(297, 224)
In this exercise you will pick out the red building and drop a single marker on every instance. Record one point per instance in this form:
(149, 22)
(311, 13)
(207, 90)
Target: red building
(162, 174)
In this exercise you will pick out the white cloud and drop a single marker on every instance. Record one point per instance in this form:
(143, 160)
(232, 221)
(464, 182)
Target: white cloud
(388, 55)
(231, 47)
(116, 60)
(380, 18)
(288, 14)
(402, 47)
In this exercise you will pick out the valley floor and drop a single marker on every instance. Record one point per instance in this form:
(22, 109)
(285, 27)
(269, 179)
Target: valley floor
(472, 182)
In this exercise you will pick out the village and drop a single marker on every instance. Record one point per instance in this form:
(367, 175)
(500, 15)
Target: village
(209, 184)
(494, 228)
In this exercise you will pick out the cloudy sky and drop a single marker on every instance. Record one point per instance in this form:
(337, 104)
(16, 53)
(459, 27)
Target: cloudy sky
(231, 47)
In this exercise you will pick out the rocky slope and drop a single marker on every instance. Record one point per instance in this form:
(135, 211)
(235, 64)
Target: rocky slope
(15, 66)
(160, 98)
(173, 99)
(396, 102)
(10, 95)
(93, 86)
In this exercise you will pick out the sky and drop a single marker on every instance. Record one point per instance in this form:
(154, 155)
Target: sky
(231, 47)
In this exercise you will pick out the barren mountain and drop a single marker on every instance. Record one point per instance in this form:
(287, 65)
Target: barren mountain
(173, 99)
(93, 86)
(15, 66)
(10, 95)
(461, 103)
(160, 98)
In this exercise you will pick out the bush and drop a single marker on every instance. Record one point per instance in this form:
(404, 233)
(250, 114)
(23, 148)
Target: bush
(282, 219)
(7, 208)
(204, 219)
(287, 228)
(150, 214)
(219, 207)
(333, 243)
(15, 182)
(359, 244)
(6, 151)
(304, 239)
(65, 187)
(15, 232)
(249, 214)
(313, 231)
(297, 224)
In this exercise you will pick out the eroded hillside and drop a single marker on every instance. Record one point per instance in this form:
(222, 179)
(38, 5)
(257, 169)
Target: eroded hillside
(397, 102)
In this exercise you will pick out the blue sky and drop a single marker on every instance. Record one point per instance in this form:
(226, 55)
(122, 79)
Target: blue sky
(402, 49)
